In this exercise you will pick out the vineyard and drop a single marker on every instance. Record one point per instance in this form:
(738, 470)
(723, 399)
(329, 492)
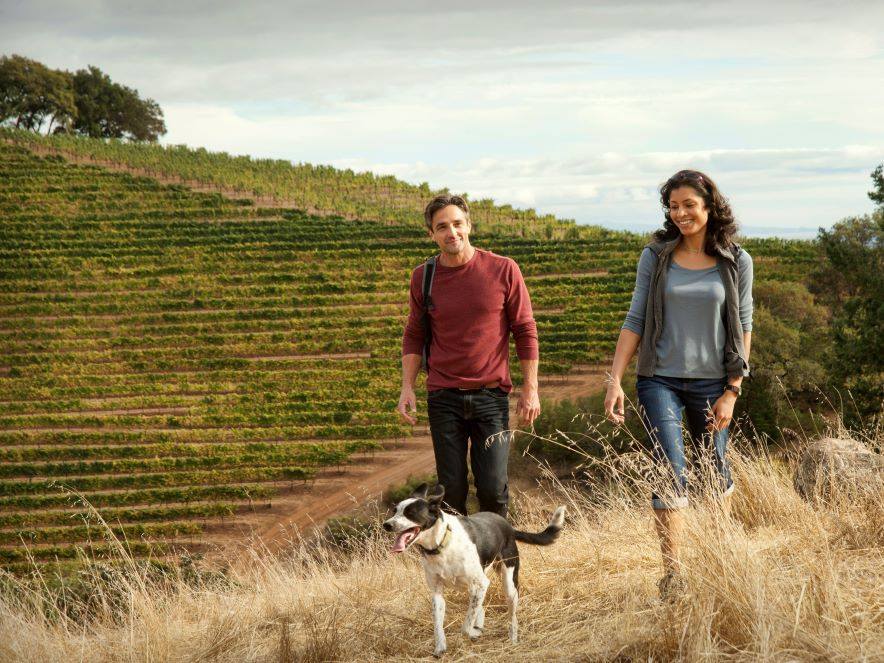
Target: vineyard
(178, 357)
(321, 189)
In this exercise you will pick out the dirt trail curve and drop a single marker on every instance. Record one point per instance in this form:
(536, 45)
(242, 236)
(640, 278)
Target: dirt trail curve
(367, 480)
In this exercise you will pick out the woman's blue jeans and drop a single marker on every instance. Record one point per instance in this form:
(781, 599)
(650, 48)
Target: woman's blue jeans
(664, 402)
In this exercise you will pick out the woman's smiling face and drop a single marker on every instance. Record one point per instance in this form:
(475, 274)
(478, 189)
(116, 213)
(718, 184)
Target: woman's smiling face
(687, 209)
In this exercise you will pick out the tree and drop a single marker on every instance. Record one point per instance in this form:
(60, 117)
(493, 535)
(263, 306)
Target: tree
(850, 280)
(31, 93)
(87, 102)
(109, 110)
(877, 194)
(790, 341)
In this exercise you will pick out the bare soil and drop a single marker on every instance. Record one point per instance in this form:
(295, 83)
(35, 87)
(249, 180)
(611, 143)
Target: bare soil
(567, 275)
(332, 494)
(194, 311)
(144, 411)
(361, 354)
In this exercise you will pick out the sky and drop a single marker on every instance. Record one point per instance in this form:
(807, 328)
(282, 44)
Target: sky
(581, 109)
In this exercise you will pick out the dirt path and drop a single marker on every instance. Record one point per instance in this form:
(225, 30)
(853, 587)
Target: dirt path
(331, 495)
(135, 315)
(582, 381)
(142, 411)
(359, 484)
(567, 275)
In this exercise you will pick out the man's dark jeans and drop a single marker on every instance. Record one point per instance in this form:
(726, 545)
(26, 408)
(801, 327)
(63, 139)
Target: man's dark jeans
(457, 417)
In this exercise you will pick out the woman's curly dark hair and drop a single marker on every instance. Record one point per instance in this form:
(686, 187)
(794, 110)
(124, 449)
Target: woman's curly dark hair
(721, 226)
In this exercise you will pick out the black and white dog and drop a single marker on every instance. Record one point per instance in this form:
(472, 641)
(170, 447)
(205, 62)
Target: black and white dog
(459, 549)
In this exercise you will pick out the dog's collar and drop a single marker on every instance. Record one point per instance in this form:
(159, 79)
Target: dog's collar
(444, 542)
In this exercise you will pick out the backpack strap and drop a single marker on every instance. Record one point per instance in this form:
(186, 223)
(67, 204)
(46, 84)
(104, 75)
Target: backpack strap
(429, 272)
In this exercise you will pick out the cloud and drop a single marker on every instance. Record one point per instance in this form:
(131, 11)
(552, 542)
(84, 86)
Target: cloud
(572, 107)
(818, 186)
(321, 52)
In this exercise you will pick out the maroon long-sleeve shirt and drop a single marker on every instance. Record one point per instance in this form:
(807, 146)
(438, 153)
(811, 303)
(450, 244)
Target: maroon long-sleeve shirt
(476, 306)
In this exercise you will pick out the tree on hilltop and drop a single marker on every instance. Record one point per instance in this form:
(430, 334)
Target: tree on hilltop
(109, 110)
(34, 97)
(31, 93)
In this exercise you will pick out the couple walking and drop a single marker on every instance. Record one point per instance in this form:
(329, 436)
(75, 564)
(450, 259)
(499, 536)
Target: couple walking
(690, 321)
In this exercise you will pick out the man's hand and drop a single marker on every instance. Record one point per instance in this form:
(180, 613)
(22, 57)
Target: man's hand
(407, 403)
(722, 412)
(528, 407)
(614, 399)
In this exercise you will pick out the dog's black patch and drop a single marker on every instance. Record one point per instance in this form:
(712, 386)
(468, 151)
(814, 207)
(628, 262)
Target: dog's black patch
(421, 513)
(492, 535)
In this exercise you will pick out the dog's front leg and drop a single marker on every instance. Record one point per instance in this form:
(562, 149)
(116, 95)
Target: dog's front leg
(479, 624)
(477, 598)
(439, 620)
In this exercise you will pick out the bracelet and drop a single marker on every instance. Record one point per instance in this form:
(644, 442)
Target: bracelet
(734, 388)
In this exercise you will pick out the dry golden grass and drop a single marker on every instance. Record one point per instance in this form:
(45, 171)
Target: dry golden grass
(779, 579)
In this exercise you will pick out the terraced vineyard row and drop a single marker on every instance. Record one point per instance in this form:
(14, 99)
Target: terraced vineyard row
(305, 186)
(175, 357)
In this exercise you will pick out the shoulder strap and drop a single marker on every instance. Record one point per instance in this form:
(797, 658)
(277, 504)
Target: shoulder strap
(429, 272)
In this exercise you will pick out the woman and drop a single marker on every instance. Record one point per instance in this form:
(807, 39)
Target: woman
(691, 322)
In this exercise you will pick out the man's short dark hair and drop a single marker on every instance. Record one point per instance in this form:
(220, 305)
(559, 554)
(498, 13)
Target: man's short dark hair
(444, 200)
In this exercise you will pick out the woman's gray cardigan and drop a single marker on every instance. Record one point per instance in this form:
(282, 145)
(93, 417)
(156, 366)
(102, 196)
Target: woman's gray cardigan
(735, 362)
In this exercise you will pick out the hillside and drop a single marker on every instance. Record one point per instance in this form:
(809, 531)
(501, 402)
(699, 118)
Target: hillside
(315, 188)
(179, 358)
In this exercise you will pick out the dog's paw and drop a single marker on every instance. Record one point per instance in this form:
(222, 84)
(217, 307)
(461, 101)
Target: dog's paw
(473, 633)
(439, 651)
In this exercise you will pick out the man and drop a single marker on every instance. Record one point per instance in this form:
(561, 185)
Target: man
(478, 298)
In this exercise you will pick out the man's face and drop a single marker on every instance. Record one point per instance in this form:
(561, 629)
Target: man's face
(451, 230)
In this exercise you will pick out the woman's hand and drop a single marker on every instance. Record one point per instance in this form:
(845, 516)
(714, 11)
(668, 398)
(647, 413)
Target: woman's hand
(627, 344)
(722, 412)
(614, 400)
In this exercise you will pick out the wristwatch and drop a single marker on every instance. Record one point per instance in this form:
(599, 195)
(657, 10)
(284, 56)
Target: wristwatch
(734, 388)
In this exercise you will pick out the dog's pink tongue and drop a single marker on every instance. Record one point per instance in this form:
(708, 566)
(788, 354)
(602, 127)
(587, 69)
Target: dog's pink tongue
(403, 540)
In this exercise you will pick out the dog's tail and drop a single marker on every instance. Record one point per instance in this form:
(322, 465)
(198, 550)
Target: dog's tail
(547, 536)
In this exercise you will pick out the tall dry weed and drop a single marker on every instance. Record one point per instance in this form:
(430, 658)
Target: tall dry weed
(775, 578)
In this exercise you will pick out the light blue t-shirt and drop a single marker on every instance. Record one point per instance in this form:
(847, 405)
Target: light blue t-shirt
(691, 344)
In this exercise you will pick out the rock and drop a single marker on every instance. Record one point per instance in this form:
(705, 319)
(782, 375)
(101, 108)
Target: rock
(838, 466)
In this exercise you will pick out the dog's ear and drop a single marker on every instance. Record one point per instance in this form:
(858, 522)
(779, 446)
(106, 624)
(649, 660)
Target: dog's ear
(436, 494)
(420, 492)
